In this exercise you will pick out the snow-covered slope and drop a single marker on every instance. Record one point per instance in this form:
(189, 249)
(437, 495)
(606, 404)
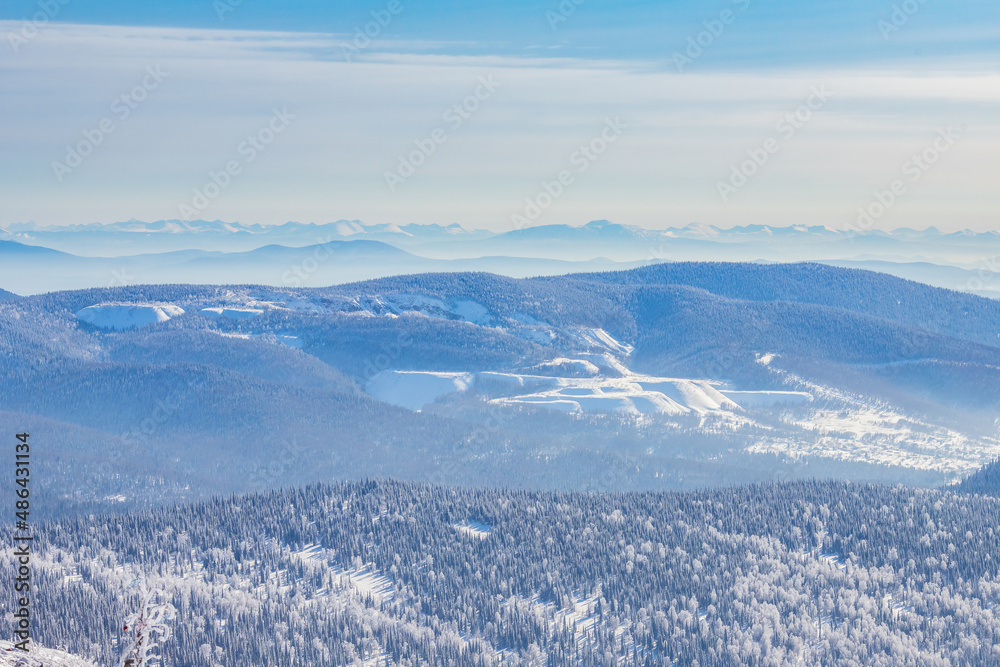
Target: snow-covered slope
(633, 394)
(414, 389)
(38, 657)
(234, 313)
(121, 316)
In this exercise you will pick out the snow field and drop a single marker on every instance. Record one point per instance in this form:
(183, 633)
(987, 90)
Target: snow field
(634, 395)
(122, 316)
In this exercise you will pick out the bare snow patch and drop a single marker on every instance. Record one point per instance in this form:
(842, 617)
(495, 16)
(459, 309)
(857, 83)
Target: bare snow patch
(415, 389)
(474, 528)
(599, 338)
(122, 316)
(768, 399)
(367, 581)
(232, 313)
(470, 311)
(38, 657)
(568, 368)
(634, 395)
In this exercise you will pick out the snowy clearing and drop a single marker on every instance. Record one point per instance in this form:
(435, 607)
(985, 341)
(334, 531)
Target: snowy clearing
(632, 395)
(768, 399)
(232, 313)
(474, 528)
(122, 316)
(415, 389)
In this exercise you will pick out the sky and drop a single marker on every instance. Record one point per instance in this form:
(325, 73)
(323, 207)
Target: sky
(850, 113)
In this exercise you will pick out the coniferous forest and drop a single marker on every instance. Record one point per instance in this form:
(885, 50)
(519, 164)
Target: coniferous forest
(392, 573)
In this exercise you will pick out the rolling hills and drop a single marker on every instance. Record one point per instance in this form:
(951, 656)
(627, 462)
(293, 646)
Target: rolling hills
(667, 377)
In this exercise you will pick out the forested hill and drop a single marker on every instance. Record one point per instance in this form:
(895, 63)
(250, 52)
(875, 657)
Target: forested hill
(831, 372)
(810, 573)
(907, 302)
(985, 481)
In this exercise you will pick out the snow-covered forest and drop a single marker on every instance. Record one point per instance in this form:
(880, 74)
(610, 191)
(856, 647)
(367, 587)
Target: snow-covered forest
(390, 573)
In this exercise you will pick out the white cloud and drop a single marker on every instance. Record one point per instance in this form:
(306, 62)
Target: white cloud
(354, 118)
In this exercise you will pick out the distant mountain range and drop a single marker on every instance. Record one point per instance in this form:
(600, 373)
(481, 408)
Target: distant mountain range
(39, 259)
(620, 242)
(29, 269)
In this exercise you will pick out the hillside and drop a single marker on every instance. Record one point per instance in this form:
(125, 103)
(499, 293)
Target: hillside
(670, 377)
(38, 657)
(986, 480)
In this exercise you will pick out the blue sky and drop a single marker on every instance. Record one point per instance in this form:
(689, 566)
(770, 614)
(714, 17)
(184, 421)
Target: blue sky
(893, 78)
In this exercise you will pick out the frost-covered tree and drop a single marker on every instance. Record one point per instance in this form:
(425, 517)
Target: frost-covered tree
(146, 627)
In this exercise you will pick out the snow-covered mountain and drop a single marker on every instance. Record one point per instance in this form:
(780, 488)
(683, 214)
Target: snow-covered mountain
(696, 374)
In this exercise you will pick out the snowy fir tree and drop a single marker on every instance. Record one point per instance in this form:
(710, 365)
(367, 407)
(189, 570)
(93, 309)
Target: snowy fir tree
(146, 627)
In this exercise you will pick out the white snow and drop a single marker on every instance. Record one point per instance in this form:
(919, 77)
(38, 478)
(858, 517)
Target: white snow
(564, 365)
(474, 528)
(122, 316)
(349, 228)
(367, 581)
(599, 338)
(415, 389)
(233, 313)
(503, 383)
(284, 339)
(467, 311)
(470, 311)
(767, 399)
(38, 657)
(290, 341)
(524, 318)
(634, 394)
(850, 427)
